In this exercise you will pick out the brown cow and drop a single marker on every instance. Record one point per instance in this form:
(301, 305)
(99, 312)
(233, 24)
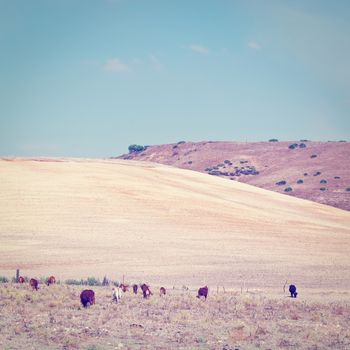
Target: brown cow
(162, 291)
(34, 283)
(21, 279)
(134, 288)
(51, 280)
(203, 292)
(87, 297)
(124, 287)
(145, 290)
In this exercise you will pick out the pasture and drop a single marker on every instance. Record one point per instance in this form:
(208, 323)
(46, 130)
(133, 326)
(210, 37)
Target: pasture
(53, 318)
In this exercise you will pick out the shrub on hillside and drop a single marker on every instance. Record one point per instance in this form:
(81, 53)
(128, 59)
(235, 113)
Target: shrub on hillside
(281, 183)
(189, 162)
(288, 189)
(347, 189)
(300, 181)
(136, 148)
(293, 146)
(302, 145)
(317, 173)
(337, 177)
(323, 181)
(323, 188)
(181, 142)
(273, 140)
(313, 156)
(305, 140)
(306, 174)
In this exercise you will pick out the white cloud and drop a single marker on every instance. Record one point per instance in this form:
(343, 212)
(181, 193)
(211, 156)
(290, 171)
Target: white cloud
(114, 65)
(254, 45)
(203, 50)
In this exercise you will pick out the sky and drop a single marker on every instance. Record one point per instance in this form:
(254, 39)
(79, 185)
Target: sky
(87, 78)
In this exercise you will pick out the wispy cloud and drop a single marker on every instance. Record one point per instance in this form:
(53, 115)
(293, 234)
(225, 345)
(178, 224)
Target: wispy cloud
(155, 62)
(254, 45)
(203, 50)
(114, 65)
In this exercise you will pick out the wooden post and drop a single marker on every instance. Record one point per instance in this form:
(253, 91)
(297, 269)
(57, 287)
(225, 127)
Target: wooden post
(17, 275)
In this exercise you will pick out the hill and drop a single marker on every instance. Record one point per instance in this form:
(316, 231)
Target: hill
(317, 171)
(75, 218)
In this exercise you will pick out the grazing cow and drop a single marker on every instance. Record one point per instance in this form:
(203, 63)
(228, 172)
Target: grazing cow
(21, 279)
(116, 294)
(34, 283)
(203, 292)
(293, 291)
(124, 287)
(134, 288)
(87, 297)
(145, 290)
(51, 280)
(162, 291)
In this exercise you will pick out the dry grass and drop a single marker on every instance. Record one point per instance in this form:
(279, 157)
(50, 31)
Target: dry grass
(53, 318)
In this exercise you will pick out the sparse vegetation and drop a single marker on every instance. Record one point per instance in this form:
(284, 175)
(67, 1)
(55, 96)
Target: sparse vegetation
(302, 145)
(181, 142)
(300, 181)
(4, 279)
(288, 189)
(317, 173)
(293, 146)
(53, 318)
(323, 188)
(348, 189)
(323, 181)
(306, 174)
(273, 140)
(313, 156)
(189, 162)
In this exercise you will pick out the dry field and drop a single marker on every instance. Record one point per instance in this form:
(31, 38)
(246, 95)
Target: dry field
(166, 226)
(149, 222)
(52, 318)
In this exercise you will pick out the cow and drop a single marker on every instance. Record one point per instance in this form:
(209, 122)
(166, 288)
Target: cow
(87, 297)
(51, 280)
(34, 283)
(21, 279)
(293, 291)
(203, 292)
(145, 290)
(116, 294)
(162, 291)
(124, 287)
(134, 288)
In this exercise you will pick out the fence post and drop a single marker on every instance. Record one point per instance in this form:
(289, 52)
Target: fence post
(17, 275)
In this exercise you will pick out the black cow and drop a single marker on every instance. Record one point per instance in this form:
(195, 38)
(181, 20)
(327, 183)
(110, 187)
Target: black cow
(145, 290)
(34, 283)
(87, 297)
(203, 292)
(293, 291)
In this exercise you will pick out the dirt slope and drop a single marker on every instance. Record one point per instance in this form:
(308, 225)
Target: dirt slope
(76, 218)
(264, 164)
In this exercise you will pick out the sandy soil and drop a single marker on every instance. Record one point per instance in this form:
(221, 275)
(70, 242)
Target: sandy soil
(75, 218)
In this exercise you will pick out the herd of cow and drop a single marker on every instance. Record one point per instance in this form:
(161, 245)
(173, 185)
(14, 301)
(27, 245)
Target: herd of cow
(87, 296)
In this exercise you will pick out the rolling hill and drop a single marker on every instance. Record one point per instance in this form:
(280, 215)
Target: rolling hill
(78, 217)
(318, 171)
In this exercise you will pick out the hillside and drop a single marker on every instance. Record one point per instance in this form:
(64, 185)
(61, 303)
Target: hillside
(317, 171)
(75, 218)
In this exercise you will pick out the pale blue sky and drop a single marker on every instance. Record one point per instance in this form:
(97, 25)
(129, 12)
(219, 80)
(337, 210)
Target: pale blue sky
(88, 77)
